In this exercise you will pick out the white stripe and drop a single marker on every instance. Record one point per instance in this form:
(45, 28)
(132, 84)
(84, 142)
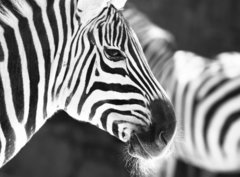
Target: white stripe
(3, 146)
(43, 6)
(99, 95)
(19, 130)
(56, 59)
(26, 87)
(217, 123)
(231, 146)
(65, 92)
(204, 108)
(47, 26)
(67, 48)
(41, 69)
(2, 137)
(61, 38)
(141, 61)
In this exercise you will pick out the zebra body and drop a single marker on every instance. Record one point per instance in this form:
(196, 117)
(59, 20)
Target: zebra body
(81, 57)
(205, 94)
(207, 98)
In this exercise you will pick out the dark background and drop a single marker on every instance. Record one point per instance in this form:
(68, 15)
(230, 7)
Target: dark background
(67, 148)
(206, 27)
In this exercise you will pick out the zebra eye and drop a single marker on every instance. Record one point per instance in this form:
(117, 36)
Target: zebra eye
(114, 54)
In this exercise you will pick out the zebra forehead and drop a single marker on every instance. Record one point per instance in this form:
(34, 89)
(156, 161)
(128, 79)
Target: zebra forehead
(110, 24)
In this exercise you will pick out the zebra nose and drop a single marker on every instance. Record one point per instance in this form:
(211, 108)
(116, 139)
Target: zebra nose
(153, 141)
(163, 120)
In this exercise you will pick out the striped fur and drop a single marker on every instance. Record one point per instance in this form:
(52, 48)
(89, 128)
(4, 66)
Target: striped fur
(95, 71)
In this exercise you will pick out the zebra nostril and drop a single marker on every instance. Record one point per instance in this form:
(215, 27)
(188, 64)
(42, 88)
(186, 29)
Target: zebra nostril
(162, 138)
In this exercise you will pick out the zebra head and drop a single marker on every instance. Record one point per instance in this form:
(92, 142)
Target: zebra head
(116, 88)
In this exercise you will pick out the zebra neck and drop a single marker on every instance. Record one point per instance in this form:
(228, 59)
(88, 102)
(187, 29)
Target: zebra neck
(63, 29)
(72, 84)
(34, 36)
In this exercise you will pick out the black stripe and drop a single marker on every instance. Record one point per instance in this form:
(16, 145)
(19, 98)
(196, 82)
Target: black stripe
(90, 49)
(115, 128)
(82, 44)
(147, 73)
(106, 34)
(132, 77)
(143, 113)
(32, 64)
(196, 102)
(68, 65)
(115, 29)
(109, 31)
(88, 76)
(6, 127)
(100, 34)
(124, 38)
(8, 4)
(42, 33)
(53, 23)
(212, 110)
(106, 113)
(79, 58)
(72, 12)
(116, 87)
(108, 87)
(148, 84)
(114, 102)
(231, 119)
(216, 86)
(1, 53)
(65, 31)
(15, 72)
(100, 23)
(106, 68)
(80, 73)
(120, 33)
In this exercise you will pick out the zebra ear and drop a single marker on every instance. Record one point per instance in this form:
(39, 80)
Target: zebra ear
(88, 9)
(119, 4)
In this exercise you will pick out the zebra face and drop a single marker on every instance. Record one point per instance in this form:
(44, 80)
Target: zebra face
(121, 95)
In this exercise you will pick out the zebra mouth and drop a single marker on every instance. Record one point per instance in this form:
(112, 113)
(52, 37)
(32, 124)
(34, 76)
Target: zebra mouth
(136, 148)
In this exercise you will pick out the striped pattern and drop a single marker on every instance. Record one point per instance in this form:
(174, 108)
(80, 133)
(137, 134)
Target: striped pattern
(207, 97)
(205, 94)
(33, 36)
(96, 72)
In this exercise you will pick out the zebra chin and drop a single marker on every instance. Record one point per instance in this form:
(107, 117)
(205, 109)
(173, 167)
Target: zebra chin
(157, 139)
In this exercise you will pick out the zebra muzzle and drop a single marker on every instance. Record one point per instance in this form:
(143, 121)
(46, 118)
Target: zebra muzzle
(146, 145)
(153, 141)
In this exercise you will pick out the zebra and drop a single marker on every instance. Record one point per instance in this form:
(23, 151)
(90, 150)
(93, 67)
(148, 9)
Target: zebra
(205, 94)
(81, 57)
